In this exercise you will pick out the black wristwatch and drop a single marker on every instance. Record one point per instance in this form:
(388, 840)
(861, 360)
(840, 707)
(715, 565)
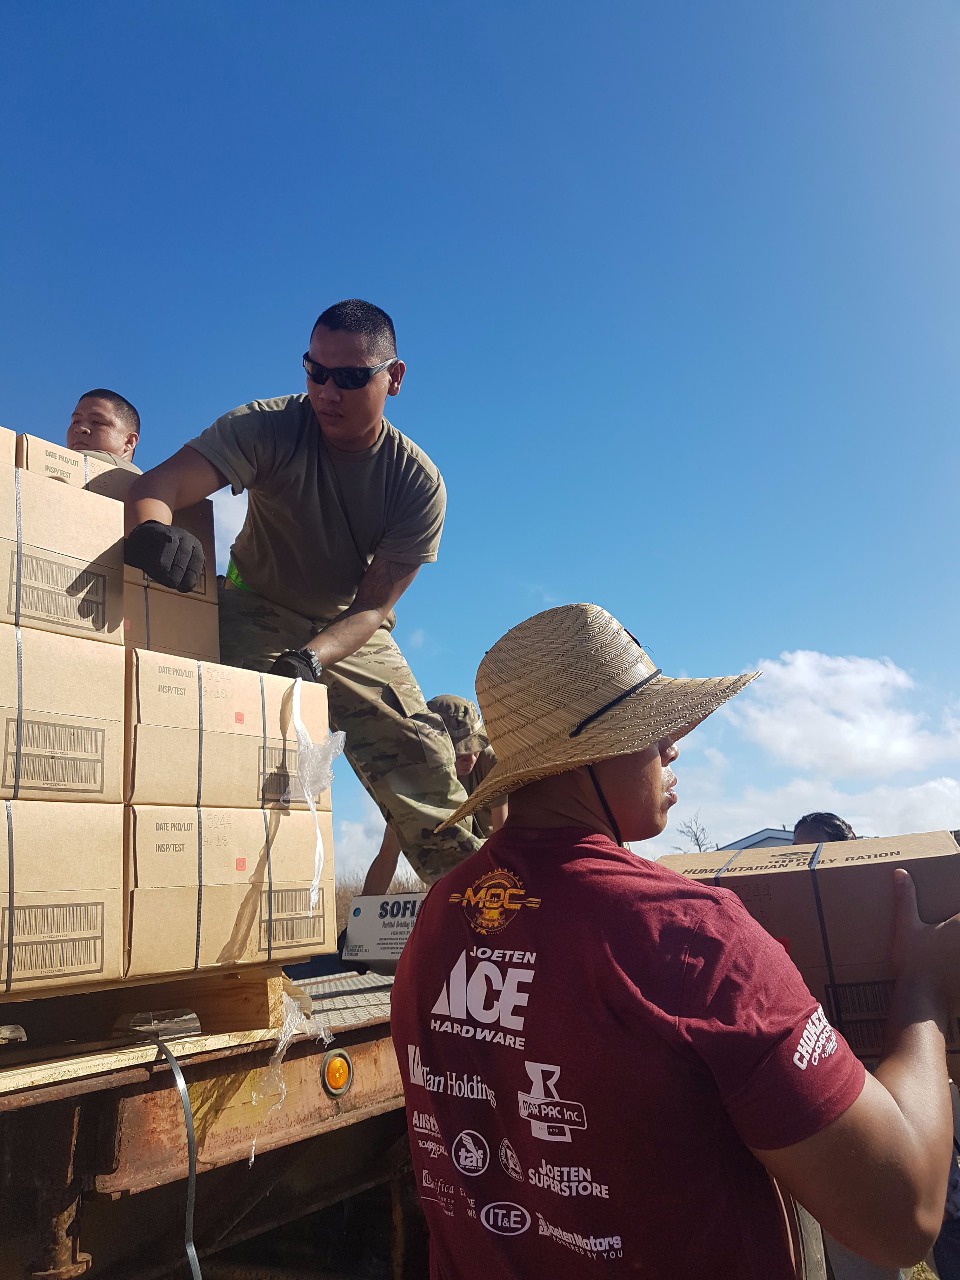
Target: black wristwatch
(313, 662)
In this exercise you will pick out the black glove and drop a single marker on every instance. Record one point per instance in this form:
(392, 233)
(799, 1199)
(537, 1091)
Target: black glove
(171, 556)
(298, 662)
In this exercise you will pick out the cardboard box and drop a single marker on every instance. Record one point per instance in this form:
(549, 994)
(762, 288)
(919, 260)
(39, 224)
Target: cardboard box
(222, 737)
(168, 622)
(64, 898)
(61, 714)
(57, 462)
(831, 906)
(212, 888)
(378, 928)
(8, 446)
(115, 482)
(61, 557)
(198, 519)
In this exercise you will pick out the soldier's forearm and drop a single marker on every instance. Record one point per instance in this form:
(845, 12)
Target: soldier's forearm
(350, 632)
(381, 586)
(179, 482)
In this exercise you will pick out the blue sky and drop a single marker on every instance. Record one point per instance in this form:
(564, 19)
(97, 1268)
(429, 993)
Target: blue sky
(678, 287)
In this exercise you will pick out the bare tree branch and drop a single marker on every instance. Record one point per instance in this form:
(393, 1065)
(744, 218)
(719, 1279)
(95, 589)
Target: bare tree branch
(694, 835)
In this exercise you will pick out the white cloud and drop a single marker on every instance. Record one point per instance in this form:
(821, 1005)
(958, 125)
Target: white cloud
(417, 638)
(843, 717)
(356, 842)
(716, 759)
(849, 735)
(932, 805)
(228, 514)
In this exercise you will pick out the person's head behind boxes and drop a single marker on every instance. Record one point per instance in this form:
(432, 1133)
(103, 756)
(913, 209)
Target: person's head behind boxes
(571, 689)
(104, 422)
(821, 828)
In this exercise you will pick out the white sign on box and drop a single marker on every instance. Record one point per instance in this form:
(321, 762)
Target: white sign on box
(378, 926)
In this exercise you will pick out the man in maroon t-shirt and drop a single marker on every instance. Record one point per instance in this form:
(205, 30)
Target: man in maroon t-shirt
(605, 1062)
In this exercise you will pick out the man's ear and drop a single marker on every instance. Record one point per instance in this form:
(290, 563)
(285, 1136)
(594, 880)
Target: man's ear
(129, 444)
(396, 377)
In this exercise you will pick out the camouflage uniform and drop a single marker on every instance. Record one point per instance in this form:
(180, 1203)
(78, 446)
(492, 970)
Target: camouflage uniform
(399, 749)
(465, 727)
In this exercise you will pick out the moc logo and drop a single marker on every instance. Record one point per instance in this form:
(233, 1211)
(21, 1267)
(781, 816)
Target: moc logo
(493, 901)
(505, 1218)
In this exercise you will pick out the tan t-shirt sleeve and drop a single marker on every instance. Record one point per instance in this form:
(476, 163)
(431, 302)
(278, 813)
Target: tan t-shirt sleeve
(242, 445)
(413, 534)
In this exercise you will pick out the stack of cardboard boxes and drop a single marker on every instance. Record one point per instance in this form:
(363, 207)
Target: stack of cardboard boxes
(152, 820)
(221, 846)
(831, 906)
(154, 617)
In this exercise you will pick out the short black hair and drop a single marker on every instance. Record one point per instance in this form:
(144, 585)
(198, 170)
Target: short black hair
(125, 410)
(832, 827)
(356, 316)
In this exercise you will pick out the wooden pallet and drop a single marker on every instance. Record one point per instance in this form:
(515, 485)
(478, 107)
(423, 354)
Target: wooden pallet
(239, 1000)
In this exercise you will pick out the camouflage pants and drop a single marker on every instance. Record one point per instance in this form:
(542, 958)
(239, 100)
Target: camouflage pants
(399, 749)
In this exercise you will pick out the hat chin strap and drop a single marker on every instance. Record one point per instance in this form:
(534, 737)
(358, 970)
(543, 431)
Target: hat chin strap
(614, 827)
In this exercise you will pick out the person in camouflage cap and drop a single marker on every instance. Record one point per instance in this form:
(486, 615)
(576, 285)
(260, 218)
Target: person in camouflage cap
(474, 759)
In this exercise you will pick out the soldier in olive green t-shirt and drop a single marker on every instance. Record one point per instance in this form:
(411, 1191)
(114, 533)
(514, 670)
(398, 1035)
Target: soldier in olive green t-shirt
(342, 512)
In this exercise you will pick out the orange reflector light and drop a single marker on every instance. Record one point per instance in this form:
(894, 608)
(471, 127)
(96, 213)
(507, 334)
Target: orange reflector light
(337, 1072)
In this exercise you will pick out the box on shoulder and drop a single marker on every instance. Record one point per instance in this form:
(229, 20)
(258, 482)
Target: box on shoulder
(57, 462)
(223, 737)
(61, 709)
(61, 909)
(167, 622)
(832, 908)
(213, 888)
(61, 558)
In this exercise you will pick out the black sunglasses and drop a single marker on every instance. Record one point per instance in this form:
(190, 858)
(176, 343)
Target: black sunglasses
(346, 378)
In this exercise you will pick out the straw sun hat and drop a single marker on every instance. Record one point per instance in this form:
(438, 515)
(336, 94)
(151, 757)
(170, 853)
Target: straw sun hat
(571, 686)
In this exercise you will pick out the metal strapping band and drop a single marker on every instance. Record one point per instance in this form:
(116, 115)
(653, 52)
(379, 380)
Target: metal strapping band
(86, 470)
(200, 737)
(196, 956)
(146, 615)
(266, 820)
(191, 1159)
(8, 980)
(614, 702)
(18, 745)
(814, 859)
(19, 583)
(718, 874)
